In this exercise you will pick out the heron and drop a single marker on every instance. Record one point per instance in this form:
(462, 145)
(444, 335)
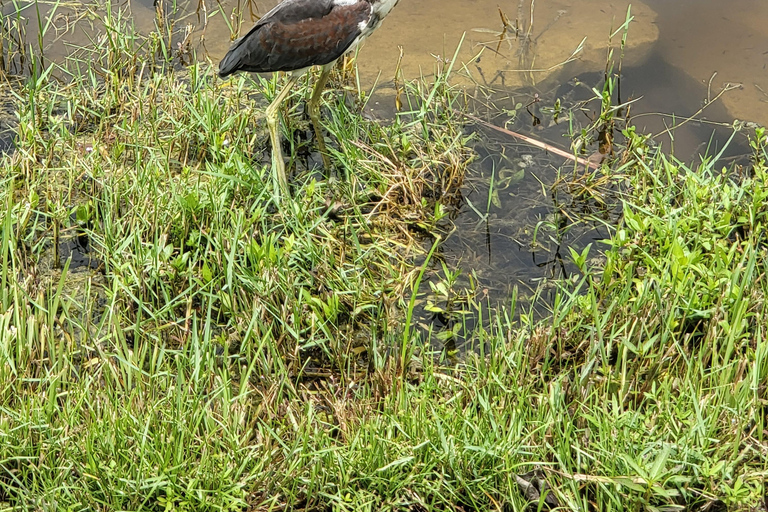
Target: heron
(294, 36)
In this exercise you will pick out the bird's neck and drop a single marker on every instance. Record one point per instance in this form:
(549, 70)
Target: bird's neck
(382, 7)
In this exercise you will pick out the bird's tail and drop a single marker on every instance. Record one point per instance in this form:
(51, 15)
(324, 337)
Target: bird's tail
(230, 63)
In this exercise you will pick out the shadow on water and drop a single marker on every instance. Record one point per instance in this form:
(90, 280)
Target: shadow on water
(510, 242)
(664, 97)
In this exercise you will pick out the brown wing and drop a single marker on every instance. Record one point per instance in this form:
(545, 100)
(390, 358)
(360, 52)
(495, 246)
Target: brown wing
(297, 34)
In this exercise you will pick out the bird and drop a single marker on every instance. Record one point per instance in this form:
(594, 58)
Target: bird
(294, 36)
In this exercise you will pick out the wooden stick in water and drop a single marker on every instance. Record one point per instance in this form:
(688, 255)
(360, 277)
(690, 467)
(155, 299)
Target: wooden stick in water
(543, 145)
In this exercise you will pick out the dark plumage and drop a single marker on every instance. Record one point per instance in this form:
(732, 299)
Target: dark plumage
(294, 36)
(297, 34)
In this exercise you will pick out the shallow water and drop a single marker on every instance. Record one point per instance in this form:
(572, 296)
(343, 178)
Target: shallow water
(688, 49)
(679, 57)
(691, 40)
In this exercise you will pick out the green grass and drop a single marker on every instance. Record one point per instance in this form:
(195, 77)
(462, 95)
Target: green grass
(227, 355)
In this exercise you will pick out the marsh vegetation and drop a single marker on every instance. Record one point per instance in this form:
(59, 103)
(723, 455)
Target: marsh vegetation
(171, 340)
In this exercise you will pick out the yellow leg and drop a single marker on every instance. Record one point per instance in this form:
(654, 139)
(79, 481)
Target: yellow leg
(314, 113)
(273, 123)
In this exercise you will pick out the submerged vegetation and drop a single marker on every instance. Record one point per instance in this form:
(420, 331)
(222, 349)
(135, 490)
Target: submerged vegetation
(169, 340)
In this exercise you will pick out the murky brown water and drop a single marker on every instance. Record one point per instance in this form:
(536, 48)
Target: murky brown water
(680, 55)
(692, 40)
(689, 48)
